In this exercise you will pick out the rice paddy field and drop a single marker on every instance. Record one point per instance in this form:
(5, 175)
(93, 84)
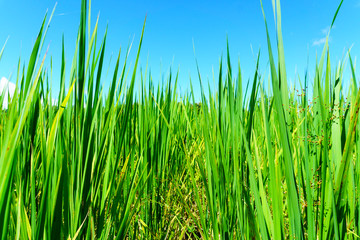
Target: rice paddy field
(139, 161)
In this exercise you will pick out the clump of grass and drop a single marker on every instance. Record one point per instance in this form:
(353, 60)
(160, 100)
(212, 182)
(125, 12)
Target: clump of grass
(279, 164)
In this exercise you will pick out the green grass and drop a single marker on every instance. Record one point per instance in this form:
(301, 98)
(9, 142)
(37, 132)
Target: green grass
(144, 163)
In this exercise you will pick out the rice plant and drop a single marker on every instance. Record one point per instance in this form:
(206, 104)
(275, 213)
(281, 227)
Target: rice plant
(139, 161)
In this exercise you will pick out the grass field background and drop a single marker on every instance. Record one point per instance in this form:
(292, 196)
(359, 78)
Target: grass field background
(139, 161)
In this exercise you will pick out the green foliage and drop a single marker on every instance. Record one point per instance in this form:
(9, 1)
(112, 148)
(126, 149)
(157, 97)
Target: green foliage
(150, 164)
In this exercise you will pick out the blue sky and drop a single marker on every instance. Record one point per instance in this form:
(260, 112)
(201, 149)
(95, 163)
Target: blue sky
(173, 26)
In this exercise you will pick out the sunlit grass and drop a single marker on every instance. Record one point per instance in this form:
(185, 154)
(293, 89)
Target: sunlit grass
(148, 164)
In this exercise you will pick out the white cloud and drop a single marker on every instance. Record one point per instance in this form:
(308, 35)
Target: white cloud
(7, 88)
(320, 41)
(54, 102)
(326, 30)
